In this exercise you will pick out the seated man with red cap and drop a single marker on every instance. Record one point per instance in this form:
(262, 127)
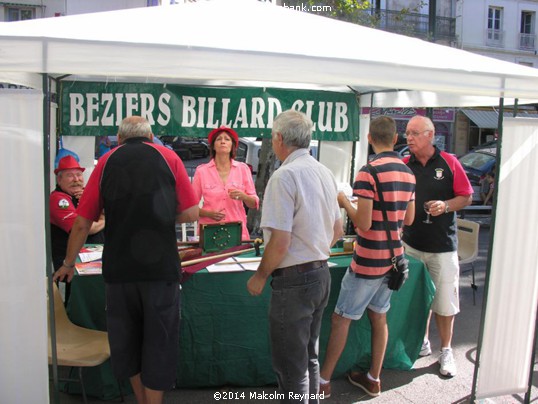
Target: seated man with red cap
(63, 203)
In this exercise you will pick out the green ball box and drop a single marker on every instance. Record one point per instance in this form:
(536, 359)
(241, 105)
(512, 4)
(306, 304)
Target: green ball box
(220, 236)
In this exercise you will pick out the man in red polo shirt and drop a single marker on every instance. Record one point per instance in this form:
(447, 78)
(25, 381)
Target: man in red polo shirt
(144, 190)
(63, 203)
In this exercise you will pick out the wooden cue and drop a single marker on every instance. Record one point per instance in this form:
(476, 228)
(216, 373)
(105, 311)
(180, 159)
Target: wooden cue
(240, 262)
(182, 243)
(336, 254)
(230, 254)
(212, 257)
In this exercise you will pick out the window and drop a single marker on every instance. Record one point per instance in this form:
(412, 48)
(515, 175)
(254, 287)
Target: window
(495, 34)
(526, 32)
(19, 13)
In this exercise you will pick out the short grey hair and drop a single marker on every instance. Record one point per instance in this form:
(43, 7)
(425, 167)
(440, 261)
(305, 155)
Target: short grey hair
(295, 128)
(427, 124)
(134, 126)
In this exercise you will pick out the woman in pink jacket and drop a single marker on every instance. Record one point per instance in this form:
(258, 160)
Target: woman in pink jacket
(223, 183)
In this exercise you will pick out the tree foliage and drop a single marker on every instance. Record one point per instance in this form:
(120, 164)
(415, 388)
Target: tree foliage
(362, 12)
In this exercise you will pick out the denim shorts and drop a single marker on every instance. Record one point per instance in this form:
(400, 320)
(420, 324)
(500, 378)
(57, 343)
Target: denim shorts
(358, 294)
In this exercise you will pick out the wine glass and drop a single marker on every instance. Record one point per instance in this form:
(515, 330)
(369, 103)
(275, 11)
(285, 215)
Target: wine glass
(427, 210)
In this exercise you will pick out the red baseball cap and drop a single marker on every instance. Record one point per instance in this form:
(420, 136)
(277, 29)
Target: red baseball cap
(66, 163)
(230, 131)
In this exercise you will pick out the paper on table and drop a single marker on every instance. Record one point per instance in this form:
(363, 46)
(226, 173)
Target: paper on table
(89, 268)
(236, 265)
(90, 256)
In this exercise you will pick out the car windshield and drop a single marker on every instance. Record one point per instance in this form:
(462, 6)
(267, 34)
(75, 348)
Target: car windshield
(476, 160)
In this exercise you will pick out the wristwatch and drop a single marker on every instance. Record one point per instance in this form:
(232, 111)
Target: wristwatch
(446, 206)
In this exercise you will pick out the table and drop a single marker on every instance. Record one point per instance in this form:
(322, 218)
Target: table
(224, 336)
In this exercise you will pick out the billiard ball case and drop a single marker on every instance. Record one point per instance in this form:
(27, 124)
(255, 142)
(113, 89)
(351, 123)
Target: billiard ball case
(220, 236)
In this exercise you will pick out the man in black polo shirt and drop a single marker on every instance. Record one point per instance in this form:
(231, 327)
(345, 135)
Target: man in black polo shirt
(144, 190)
(444, 186)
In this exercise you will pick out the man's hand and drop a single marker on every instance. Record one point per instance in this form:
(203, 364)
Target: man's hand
(64, 271)
(77, 192)
(342, 199)
(256, 283)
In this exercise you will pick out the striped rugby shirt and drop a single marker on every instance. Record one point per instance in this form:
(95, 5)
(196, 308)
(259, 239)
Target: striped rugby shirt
(372, 255)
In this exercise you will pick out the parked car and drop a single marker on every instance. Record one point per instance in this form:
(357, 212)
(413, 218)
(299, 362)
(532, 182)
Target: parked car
(477, 163)
(187, 148)
(248, 151)
(487, 145)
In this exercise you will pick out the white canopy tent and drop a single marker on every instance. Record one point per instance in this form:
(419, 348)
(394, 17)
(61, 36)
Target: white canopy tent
(233, 42)
(227, 43)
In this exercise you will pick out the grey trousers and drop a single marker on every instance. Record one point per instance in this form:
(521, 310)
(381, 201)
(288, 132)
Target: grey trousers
(296, 310)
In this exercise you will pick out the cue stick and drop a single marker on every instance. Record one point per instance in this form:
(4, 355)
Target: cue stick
(212, 257)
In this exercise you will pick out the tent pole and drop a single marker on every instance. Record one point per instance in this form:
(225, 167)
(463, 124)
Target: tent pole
(490, 250)
(514, 114)
(527, 398)
(48, 261)
(349, 228)
(354, 148)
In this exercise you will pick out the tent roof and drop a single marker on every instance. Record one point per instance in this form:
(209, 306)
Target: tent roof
(237, 42)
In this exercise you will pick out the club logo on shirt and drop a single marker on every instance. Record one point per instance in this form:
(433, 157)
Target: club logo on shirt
(439, 174)
(63, 203)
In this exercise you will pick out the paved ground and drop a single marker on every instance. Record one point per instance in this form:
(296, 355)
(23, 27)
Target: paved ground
(422, 385)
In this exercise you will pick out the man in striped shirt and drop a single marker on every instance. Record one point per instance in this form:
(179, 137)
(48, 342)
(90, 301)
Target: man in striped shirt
(365, 284)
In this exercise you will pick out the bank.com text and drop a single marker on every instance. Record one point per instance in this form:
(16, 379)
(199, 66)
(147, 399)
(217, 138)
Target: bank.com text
(309, 8)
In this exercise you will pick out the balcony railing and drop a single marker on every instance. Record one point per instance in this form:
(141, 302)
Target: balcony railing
(526, 42)
(495, 37)
(414, 24)
(400, 22)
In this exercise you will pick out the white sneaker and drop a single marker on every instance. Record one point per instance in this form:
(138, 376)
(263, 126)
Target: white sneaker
(426, 349)
(447, 362)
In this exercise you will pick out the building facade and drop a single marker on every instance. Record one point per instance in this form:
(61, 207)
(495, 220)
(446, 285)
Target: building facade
(502, 29)
(18, 10)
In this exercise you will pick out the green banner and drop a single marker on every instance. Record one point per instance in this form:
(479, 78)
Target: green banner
(96, 109)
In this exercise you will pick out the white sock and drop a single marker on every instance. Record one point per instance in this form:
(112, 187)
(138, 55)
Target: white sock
(442, 349)
(323, 381)
(371, 377)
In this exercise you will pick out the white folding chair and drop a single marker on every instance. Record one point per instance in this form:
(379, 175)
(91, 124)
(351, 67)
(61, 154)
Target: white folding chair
(468, 247)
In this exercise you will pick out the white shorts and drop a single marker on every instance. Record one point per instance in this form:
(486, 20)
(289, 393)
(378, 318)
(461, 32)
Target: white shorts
(444, 269)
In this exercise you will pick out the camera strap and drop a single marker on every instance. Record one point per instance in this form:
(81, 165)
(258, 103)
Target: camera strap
(373, 173)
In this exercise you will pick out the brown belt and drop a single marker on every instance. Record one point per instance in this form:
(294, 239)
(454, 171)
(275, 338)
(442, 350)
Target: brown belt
(299, 268)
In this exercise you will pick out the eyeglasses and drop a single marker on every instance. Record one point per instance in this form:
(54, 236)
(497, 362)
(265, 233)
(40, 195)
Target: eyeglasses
(415, 134)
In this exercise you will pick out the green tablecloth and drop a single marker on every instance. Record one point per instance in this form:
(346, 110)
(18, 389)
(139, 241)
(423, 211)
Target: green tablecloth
(224, 337)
